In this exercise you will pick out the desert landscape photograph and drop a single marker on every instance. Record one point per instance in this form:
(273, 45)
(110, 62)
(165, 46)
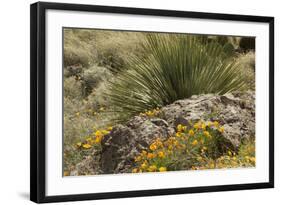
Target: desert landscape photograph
(143, 102)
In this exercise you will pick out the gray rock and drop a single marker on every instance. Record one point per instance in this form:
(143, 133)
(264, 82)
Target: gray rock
(235, 111)
(125, 141)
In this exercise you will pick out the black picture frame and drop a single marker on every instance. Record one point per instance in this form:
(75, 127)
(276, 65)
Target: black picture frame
(38, 101)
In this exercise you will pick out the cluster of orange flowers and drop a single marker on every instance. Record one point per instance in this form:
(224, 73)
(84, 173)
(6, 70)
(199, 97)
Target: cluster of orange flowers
(162, 153)
(151, 113)
(93, 139)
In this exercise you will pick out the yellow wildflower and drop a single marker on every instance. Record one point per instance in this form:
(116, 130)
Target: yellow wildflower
(143, 165)
(110, 128)
(206, 133)
(98, 139)
(105, 132)
(144, 153)
(229, 153)
(150, 155)
(135, 170)
(158, 143)
(161, 154)
(179, 128)
(210, 124)
(216, 124)
(78, 144)
(153, 146)
(149, 113)
(195, 142)
(98, 133)
(162, 169)
(196, 125)
(152, 168)
(191, 132)
(87, 146)
(203, 126)
(137, 158)
(89, 139)
(221, 129)
(178, 134)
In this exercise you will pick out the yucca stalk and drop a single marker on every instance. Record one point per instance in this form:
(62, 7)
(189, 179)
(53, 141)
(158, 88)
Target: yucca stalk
(177, 67)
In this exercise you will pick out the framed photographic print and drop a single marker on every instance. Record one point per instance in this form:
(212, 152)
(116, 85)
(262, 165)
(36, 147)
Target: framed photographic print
(129, 102)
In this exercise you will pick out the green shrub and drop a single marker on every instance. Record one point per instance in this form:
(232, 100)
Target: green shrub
(178, 67)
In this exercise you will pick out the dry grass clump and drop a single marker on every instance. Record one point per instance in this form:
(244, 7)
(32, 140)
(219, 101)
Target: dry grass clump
(247, 62)
(79, 47)
(72, 88)
(105, 48)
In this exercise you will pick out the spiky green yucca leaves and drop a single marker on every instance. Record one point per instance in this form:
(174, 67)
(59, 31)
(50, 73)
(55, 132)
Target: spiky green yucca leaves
(177, 67)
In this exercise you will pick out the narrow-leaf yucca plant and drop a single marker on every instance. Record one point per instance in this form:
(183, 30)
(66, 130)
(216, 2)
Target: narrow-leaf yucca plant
(177, 66)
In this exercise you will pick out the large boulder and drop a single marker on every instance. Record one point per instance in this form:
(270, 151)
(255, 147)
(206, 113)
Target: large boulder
(235, 111)
(125, 141)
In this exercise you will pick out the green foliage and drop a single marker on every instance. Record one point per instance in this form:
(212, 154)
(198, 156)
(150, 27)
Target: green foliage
(178, 66)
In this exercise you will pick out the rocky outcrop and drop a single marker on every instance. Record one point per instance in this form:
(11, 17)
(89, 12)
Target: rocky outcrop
(125, 141)
(235, 111)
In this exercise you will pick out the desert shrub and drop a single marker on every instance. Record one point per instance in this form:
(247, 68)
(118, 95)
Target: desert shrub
(115, 47)
(247, 67)
(79, 47)
(97, 97)
(179, 66)
(74, 70)
(72, 88)
(199, 147)
(105, 48)
(228, 41)
(92, 77)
